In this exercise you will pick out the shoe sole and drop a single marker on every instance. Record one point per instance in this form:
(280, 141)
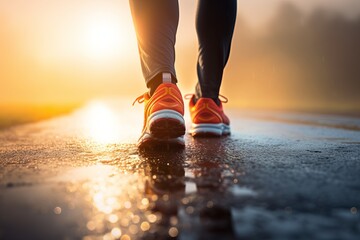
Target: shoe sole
(147, 141)
(166, 124)
(209, 130)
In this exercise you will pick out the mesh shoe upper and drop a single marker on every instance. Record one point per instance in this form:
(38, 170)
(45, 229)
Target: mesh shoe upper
(207, 111)
(163, 117)
(166, 97)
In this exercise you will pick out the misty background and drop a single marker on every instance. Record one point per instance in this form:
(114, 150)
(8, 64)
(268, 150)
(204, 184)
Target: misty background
(292, 56)
(299, 61)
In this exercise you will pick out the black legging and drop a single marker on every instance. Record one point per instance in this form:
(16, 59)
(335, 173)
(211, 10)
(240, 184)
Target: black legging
(156, 24)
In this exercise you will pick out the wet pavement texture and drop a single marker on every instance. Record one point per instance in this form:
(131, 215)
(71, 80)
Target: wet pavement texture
(278, 176)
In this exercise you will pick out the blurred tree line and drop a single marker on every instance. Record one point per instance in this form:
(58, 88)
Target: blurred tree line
(298, 61)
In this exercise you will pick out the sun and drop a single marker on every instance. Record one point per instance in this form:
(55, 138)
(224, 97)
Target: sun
(105, 36)
(102, 38)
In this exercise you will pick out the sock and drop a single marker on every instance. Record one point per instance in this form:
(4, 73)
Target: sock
(216, 100)
(159, 79)
(199, 94)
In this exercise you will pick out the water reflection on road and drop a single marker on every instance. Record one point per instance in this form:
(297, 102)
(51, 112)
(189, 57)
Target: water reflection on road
(157, 195)
(149, 194)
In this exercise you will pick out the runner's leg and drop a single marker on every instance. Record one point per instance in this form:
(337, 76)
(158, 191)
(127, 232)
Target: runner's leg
(156, 23)
(215, 21)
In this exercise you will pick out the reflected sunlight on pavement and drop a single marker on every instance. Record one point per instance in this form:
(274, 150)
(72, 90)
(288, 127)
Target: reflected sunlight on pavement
(106, 123)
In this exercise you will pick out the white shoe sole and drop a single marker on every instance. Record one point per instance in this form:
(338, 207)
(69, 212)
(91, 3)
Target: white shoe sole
(209, 129)
(165, 128)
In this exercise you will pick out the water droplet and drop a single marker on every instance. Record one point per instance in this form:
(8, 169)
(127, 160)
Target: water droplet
(185, 201)
(108, 236)
(113, 218)
(190, 210)
(145, 201)
(57, 210)
(124, 222)
(154, 197)
(125, 237)
(152, 218)
(116, 232)
(210, 204)
(173, 220)
(145, 226)
(173, 232)
(135, 219)
(91, 225)
(353, 210)
(133, 229)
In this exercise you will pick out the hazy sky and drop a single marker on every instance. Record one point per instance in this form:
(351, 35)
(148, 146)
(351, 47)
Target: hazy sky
(87, 48)
(257, 12)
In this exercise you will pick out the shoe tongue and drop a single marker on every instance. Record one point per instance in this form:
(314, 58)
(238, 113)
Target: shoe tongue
(166, 78)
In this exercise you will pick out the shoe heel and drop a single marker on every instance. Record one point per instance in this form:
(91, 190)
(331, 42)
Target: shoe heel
(166, 124)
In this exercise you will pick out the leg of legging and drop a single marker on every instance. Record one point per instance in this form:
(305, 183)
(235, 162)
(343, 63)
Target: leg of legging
(215, 21)
(156, 23)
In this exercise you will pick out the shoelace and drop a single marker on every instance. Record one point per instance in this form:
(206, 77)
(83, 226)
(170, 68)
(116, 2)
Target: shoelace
(140, 99)
(223, 99)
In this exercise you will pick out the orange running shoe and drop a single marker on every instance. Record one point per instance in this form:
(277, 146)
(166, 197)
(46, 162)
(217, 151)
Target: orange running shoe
(208, 119)
(163, 117)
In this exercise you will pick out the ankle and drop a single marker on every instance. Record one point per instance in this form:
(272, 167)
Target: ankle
(160, 78)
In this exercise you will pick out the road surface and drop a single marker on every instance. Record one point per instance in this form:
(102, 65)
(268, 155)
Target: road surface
(278, 176)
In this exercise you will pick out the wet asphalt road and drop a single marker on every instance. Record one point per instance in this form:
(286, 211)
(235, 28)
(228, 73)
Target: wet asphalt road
(278, 176)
